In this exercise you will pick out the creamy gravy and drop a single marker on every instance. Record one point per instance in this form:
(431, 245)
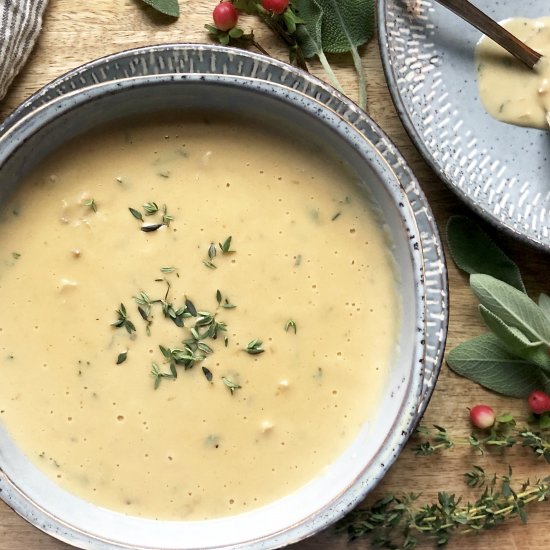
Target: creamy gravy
(307, 249)
(510, 91)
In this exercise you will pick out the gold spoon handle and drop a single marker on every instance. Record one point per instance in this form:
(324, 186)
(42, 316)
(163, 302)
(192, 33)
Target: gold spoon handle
(493, 30)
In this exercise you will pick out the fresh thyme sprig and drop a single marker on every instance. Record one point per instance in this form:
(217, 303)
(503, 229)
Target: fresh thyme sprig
(123, 320)
(398, 522)
(503, 434)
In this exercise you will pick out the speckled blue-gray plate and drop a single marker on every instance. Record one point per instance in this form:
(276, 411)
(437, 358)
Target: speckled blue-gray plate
(501, 171)
(192, 75)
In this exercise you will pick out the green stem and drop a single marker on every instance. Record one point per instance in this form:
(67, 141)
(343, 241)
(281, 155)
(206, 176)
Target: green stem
(361, 76)
(329, 72)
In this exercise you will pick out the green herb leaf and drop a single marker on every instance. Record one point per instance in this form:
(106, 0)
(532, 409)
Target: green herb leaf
(136, 214)
(291, 20)
(158, 375)
(123, 320)
(254, 347)
(336, 26)
(207, 373)
(486, 360)
(544, 304)
(121, 357)
(235, 32)
(15, 255)
(166, 219)
(230, 384)
(515, 341)
(148, 228)
(191, 308)
(226, 246)
(474, 251)
(544, 421)
(346, 24)
(309, 36)
(150, 208)
(514, 307)
(290, 324)
(167, 7)
(90, 203)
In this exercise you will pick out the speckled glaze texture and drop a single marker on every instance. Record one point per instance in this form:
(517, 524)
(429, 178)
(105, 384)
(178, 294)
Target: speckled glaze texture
(501, 171)
(177, 64)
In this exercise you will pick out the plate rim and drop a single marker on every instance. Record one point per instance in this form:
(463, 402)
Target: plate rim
(419, 143)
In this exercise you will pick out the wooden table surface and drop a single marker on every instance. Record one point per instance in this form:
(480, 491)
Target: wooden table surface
(77, 31)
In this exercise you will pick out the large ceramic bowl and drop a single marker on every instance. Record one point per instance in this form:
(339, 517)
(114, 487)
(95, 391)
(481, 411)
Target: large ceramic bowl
(39, 130)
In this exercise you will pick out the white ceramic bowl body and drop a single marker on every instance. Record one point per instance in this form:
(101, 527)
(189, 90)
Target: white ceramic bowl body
(31, 137)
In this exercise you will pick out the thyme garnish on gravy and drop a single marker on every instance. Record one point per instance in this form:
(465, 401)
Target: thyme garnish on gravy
(152, 209)
(199, 325)
(225, 249)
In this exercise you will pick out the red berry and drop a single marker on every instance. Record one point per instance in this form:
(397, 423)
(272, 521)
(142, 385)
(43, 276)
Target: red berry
(275, 6)
(539, 402)
(225, 16)
(482, 416)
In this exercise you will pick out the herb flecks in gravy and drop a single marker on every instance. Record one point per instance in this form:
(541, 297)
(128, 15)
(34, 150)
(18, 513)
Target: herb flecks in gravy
(166, 389)
(509, 91)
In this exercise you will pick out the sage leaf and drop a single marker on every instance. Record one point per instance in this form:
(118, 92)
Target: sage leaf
(336, 26)
(486, 360)
(544, 304)
(515, 341)
(514, 307)
(167, 7)
(474, 251)
(346, 24)
(309, 35)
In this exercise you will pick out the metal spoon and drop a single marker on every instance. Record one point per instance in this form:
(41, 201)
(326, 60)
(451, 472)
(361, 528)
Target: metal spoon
(493, 30)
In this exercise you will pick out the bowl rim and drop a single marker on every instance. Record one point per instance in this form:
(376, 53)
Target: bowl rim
(14, 124)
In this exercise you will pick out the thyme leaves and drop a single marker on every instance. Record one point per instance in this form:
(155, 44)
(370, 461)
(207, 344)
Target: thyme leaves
(290, 324)
(136, 213)
(254, 347)
(91, 204)
(122, 356)
(212, 252)
(399, 521)
(152, 209)
(230, 384)
(123, 321)
(158, 375)
(225, 247)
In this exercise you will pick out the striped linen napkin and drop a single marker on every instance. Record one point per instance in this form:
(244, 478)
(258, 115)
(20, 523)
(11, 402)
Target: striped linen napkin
(20, 23)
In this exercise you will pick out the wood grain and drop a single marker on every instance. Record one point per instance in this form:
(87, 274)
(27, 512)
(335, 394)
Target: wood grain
(76, 31)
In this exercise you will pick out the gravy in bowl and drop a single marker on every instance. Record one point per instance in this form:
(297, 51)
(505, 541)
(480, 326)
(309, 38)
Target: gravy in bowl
(123, 255)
